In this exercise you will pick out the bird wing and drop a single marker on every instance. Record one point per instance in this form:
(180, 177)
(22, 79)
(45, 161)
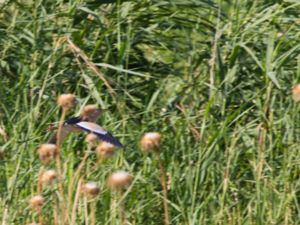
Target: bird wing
(65, 131)
(73, 120)
(99, 131)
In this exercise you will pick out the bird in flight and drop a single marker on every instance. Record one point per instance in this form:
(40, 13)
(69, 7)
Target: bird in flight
(86, 122)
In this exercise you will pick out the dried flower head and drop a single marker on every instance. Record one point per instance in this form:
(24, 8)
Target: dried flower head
(37, 201)
(33, 224)
(296, 93)
(90, 189)
(92, 139)
(47, 152)
(90, 113)
(119, 180)
(66, 101)
(48, 176)
(150, 141)
(105, 150)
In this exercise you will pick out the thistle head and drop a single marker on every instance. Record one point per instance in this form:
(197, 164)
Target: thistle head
(150, 141)
(91, 113)
(66, 101)
(47, 152)
(105, 150)
(37, 202)
(92, 139)
(119, 180)
(90, 189)
(48, 177)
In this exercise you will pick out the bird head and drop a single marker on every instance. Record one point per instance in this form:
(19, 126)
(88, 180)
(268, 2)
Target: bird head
(91, 113)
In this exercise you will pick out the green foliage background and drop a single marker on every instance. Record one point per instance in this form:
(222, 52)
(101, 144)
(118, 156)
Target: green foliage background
(214, 77)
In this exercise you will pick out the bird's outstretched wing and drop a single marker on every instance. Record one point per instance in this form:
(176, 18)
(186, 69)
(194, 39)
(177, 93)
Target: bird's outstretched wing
(99, 131)
(66, 129)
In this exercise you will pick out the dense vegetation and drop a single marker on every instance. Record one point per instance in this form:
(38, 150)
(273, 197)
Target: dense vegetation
(213, 77)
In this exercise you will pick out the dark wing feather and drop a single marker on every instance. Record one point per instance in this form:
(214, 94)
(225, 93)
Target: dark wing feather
(110, 139)
(73, 120)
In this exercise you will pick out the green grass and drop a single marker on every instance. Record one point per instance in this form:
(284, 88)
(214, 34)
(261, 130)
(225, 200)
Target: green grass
(213, 77)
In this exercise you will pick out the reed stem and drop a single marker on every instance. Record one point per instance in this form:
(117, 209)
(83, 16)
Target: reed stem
(93, 212)
(163, 181)
(76, 200)
(58, 165)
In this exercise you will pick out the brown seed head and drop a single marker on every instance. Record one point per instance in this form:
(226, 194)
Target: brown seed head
(119, 180)
(37, 201)
(150, 141)
(66, 101)
(296, 93)
(47, 152)
(48, 176)
(105, 150)
(90, 189)
(90, 113)
(92, 139)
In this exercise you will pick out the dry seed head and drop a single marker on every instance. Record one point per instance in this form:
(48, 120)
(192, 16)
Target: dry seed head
(91, 139)
(296, 93)
(47, 152)
(88, 109)
(33, 224)
(48, 176)
(90, 113)
(66, 101)
(105, 150)
(119, 180)
(150, 141)
(90, 189)
(37, 201)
